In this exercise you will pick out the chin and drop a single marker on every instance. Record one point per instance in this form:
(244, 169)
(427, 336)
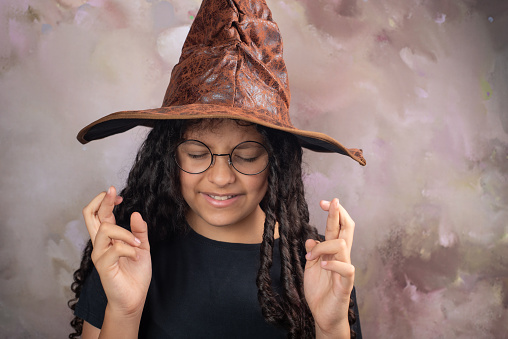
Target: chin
(220, 222)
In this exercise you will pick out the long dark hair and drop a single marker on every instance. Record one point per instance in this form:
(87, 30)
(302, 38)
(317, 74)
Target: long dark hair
(153, 189)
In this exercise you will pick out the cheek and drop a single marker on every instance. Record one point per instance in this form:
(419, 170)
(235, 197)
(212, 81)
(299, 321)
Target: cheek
(261, 186)
(187, 183)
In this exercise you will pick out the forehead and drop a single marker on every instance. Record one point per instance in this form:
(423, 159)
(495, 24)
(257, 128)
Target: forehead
(215, 132)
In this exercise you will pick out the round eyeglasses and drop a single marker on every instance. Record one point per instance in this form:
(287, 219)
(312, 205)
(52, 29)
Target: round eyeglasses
(248, 157)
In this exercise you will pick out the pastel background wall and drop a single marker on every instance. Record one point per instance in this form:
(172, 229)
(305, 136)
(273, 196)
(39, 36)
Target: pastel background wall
(420, 85)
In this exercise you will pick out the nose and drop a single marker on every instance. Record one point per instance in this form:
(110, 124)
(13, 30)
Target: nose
(221, 172)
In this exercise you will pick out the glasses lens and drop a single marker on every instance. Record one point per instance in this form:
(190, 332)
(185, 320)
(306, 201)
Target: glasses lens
(193, 156)
(249, 158)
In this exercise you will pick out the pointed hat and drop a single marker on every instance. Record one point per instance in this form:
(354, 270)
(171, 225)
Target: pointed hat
(231, 66)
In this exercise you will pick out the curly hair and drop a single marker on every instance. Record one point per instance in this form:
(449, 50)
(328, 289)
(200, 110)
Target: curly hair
(153, 189)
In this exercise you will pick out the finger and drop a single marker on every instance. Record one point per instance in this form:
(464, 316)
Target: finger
(336, 249)
(140, 230)
(105, 211)
(333, 221)
(325, 205)
(90, 215)
(347, 227)
(310, 244)
(346, 271)
(114, 253)
(109, 235)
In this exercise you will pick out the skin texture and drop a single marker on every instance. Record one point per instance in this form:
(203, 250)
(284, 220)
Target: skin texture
(123, 261)
(122, 258)
(241, 219)
(329, 275)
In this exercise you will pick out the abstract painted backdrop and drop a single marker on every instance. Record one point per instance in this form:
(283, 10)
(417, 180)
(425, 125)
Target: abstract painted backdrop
(420, 85)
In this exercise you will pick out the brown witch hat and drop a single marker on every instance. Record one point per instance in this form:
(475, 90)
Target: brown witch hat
(231, 67)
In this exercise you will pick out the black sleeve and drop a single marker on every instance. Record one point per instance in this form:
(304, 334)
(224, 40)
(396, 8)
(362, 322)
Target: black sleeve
(356, 326)
(92, 302)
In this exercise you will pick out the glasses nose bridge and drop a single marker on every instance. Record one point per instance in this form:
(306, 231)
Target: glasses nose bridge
(230, 163)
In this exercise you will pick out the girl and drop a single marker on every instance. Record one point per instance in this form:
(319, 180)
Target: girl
(211, 236)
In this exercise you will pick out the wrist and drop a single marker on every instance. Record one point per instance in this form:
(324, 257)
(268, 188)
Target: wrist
(340, 330)
(121, 324)
(121, 313)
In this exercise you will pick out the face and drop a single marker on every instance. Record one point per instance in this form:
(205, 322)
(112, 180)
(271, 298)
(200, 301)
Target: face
(224, 204)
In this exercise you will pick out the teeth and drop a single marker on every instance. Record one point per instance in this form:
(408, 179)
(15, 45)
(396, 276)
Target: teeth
(221, 198)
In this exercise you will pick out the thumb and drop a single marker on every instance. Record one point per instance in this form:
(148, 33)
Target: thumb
(140, 230)
(309, 245)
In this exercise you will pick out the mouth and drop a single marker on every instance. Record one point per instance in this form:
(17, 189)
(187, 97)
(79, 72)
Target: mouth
(221, 197)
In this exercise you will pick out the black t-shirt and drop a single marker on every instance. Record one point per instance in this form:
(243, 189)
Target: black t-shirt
(200, 288)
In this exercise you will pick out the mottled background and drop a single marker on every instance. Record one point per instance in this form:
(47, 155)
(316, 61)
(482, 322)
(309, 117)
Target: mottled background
(420, 85)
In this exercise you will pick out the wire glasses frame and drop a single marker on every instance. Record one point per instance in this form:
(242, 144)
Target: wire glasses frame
(195, 157)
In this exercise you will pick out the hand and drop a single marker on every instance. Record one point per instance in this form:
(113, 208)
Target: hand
(329, 275)
(122, 258)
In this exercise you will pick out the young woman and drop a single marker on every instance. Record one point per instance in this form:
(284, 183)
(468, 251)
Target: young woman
(210, 238)
(247, 201)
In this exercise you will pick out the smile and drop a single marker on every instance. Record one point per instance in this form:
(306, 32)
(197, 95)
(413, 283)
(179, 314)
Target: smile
(221, 198)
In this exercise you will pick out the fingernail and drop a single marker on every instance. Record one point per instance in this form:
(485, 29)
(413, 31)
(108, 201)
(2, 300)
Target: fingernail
(137, 240)
(308, 255)
(324, 263)
(109, 190)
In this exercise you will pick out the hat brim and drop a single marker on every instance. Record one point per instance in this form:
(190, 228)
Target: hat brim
(125, 120)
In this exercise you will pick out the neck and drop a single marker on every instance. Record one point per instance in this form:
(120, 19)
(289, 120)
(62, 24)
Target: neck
(245, 233)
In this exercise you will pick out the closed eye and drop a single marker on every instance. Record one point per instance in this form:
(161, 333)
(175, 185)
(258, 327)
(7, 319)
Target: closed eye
(246, 158)
(252, 159)
(198, 156)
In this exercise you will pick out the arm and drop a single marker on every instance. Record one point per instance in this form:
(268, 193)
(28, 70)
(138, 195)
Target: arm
(114, 326)
(119, 325)
(90, 331)
(329, 275)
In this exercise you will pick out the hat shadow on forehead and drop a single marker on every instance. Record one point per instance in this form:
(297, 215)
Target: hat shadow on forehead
(215, 126)
(231, 66)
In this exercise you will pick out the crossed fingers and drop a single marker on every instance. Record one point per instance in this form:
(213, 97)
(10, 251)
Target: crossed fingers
(100, 210)
(334, 254)
(339, 224)
(113, 242)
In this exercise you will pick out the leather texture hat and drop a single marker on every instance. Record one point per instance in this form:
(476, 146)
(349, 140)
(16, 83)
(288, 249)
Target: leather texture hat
(231, 66)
